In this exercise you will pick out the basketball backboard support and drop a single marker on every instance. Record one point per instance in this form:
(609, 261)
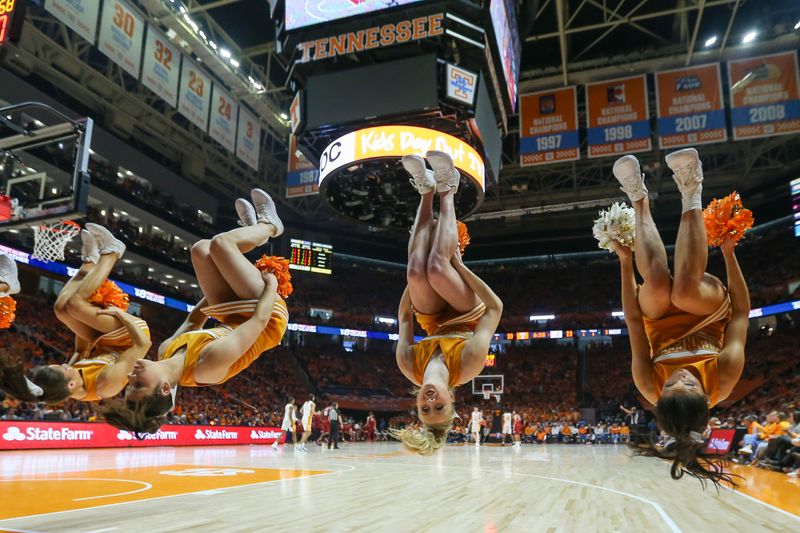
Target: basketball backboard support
(43, 166)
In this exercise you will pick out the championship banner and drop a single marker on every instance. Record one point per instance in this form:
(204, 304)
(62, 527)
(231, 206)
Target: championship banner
(194, 94)
(161, 67)
(618, 117)
(248, 139)
(80, 15)
(19, 435)
(301, 176)
(690, 106)
(121, 36)
(224, 113)
(764, 96)
(548, 127)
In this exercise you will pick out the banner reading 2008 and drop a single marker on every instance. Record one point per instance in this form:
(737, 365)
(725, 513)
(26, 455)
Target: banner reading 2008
(548, 127)
(618, 117)
(690, 109)
(764, 96)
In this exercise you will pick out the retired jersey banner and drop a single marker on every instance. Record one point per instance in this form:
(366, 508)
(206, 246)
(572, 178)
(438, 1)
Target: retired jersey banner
(194, 94)
(302, 177)
(248, 139)
(764, 96)
(224, 112)
(121, 35)
(548, 127)
(618, 117)
(161, 67)
(690, 107)
(80, 15)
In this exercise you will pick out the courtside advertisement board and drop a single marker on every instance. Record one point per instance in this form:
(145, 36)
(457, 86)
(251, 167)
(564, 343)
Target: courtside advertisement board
(618, 117)
(764, 96)
(690, 106)
(548, 127)
(19, 435)
(720, 441)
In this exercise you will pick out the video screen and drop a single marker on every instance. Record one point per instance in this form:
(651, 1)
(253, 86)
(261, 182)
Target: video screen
(311, 256)
(796, 205)
(303, 13)
(504, 22)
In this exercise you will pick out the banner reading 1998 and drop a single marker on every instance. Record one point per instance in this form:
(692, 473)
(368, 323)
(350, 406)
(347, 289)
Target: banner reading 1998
(764, 96)
(618, 117)
(690, 108)
(548, 127)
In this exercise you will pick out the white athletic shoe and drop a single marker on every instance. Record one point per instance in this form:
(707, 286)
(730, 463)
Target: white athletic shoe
(90, 253)
(687, 169)
(266, 210)
(629, 175)
(246, 212)
(106, 242)
(421, 177)
(444, 172)
(275, 445)
(746, 450)
(9, 274)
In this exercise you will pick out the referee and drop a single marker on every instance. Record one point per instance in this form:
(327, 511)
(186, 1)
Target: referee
(334, 418)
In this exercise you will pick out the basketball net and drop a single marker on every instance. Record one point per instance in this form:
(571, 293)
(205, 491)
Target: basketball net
(487, 394)
(50, 240)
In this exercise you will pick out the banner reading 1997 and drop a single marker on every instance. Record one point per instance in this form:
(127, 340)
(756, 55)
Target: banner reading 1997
(764, 96)
(548, 127)
(690, 108)
(618, 117)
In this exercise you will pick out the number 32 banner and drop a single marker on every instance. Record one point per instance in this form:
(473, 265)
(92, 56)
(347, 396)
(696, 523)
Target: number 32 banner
(690, 109)
(764, 96)
(548, 126)
(618, 117)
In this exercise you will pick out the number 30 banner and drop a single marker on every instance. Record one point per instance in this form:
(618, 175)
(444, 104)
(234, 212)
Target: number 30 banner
(618, 117)
(690, 109)
(121, 34)
(548, 127)
(764, 96)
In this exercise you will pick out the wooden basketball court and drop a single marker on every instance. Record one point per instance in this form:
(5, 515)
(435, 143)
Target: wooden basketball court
(376, 487)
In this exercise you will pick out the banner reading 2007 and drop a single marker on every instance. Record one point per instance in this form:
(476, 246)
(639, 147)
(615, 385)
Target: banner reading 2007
(764, 96)
(548, 127)
(618, 117)
(690, 108)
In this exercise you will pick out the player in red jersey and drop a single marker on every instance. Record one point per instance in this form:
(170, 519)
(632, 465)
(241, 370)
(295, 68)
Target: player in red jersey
(517, 428)
(371, 427)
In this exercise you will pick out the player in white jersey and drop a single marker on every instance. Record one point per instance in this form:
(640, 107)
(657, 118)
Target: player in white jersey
(306, 415)
(506, 428)
(475, 424)
(289, 418)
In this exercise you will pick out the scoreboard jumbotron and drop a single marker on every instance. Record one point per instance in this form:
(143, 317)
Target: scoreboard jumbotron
(311, 256)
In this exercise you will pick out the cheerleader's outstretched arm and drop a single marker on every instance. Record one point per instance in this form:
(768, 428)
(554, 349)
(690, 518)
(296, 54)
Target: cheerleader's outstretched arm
(731, 359)
(405, 324)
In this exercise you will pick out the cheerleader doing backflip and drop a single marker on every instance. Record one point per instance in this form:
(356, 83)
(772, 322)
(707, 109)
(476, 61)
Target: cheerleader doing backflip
(457, 310)
(108, 341)
(244, 299)
(687, 330)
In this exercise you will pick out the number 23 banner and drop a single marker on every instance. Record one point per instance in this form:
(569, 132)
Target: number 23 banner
(618, 117)
(764, 96)
(548, 126)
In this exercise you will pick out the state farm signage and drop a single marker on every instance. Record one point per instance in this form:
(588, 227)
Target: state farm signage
(40, 435)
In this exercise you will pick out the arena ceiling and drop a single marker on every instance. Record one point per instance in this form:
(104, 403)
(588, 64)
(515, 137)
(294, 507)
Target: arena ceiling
(528, 211)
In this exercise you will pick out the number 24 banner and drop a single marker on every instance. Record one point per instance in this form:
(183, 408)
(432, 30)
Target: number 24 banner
(548, 126)
(618, 117)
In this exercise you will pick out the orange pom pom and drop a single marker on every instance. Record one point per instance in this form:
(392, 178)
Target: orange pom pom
(463, 236)
(279, 267)
(726, 217)
(8, 308)
(109, 294)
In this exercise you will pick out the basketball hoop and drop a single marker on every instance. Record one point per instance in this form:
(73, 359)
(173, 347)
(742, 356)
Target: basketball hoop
(487, 394)
(50, 240)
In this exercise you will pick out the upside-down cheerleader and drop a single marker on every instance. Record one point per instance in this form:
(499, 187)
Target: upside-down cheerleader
(245, 298)
(457, 310)
(687, 330)
(108, 341)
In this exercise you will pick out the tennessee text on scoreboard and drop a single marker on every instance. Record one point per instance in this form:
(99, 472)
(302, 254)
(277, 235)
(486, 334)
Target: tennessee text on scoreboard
(690, 107)
(548, 126)
(618, 117)
(764, 96)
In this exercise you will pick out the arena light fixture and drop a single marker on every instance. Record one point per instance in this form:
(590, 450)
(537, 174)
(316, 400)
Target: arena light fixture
(225, 53)
(284, 116)
(234, 62)
(797, 25)
(711, 41)
(541, 318)
(618, 314)
(749, 37)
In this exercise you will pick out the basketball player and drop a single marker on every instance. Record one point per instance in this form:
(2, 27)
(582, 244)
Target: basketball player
(506, 432)
(458, 311)
(516, 422)
(287, 426)
(687, 331)
(236, 293)
(305, 419)
(370, 427)
(108, 342)
(476, 424)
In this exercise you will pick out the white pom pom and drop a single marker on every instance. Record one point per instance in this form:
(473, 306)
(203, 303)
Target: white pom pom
(617, 223)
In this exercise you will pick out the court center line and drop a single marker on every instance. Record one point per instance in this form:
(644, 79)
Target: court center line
(765, 504)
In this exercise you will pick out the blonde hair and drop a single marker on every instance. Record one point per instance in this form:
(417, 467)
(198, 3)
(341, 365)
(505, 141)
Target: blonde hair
(428, 440)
